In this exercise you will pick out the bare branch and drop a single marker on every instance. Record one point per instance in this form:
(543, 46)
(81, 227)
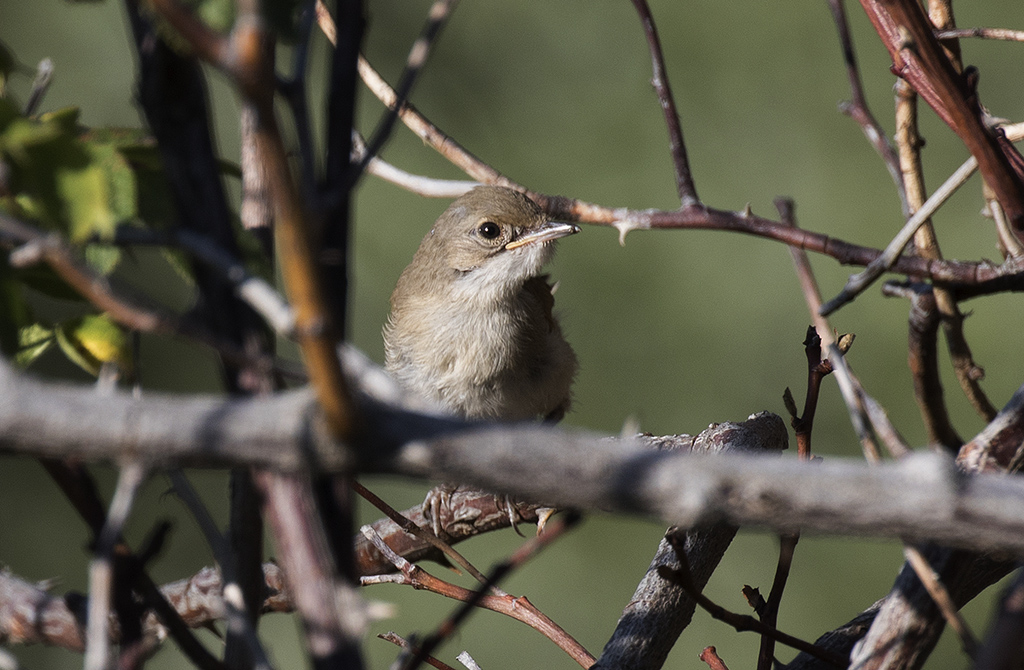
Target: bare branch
(684, 179)
(984, 33)
(659, 610)
(918, 57)
(1010, 274)
(858, 108)
(437, 16)
(940, 596)
(921, 498)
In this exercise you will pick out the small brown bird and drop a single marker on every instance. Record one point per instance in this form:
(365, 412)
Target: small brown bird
(471, 325)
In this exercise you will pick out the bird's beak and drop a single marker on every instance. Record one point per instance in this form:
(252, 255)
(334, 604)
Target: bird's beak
(551, 230)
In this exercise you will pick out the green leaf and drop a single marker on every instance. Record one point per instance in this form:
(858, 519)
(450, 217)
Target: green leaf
(33, 341)
(88, 195)
(93, 340)
(102, 258)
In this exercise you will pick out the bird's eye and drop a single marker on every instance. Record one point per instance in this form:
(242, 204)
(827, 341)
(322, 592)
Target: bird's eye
(489, 230)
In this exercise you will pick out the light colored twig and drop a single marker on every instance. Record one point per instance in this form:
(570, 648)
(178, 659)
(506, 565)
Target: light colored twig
(1009, 241)
(984, 33)
(437, 16)
(419, 184)
(468, 661)
(44, 75)
(235, 605)
(857, 283)
(424, 535)
(860, 281)
(942, 599)
(101, 568)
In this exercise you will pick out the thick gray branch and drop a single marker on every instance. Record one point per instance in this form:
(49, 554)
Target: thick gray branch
(919, 499)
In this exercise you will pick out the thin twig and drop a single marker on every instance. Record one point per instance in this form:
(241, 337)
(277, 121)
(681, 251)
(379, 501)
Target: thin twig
(427, 536)
(102, 581)
(984, 33)
(684, 178)
(520, 609)
(438, 15)
(410, 649)
(942, 600)
(419, 184)
(710, 656)
(770, 615)
(37, 246)
(235, 605)
(294, 92)
(44, 75)
(857, 108)
(529, 549)
(255, 291)
(857, 283)
(922, 358)
(1010, 243)
(739, 621)
(925, 241)
(51, 249)
(922, 336)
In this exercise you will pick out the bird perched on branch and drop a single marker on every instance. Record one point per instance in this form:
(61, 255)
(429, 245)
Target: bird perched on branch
(471, 325)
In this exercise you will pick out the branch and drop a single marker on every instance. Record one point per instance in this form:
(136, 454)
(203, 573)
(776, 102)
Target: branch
(684, 179)
(923, 360)
(659, 610)
(918, 57)
(984, 33)
(29, 614)
(983, 275)
(920, 498)
(437, 16)
(857, 108)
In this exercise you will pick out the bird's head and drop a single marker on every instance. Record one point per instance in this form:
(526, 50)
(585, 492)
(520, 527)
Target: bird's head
(492, 237)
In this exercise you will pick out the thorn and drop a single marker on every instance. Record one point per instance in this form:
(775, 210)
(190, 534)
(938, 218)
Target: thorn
(747, 212)
(630, 427)
(544, 514)
(624, 227)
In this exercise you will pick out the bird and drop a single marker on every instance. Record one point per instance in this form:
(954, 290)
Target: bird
(472, 327)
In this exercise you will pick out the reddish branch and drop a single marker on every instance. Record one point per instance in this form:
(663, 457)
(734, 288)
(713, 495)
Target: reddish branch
(983, 276)
(520, 608)
(532, 546)
(710, 656)
(923, 360)
(919, 59)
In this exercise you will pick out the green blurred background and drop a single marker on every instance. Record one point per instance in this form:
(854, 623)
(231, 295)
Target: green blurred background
(676, 330)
